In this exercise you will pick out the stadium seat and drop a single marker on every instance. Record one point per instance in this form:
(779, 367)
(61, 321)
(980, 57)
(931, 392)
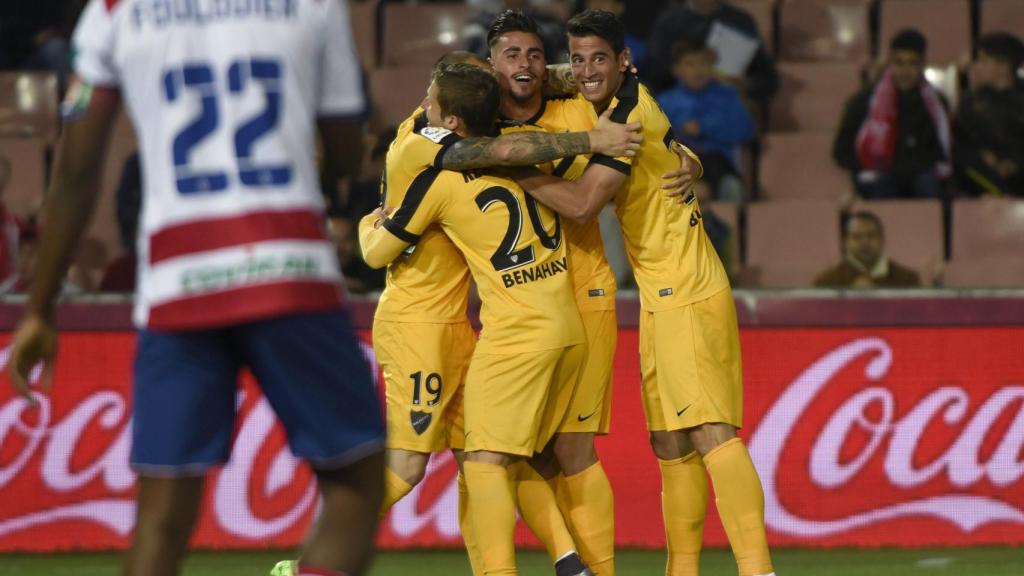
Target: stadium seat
(799, 165)
(763, 13)
(790, 242)
(812, 95)
(832, 30)
(988, 228)
(729, 213)
(945, 23)
(421, 33)
(27, 156)
(985, 273)
(913, 233)
(364, 31)
(396, 92)
(28, 105)
(1002, 16)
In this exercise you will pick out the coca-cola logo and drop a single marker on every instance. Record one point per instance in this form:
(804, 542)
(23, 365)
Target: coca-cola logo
(56, 443)
(894, 440)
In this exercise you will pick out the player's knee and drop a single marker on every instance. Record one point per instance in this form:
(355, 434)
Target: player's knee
(575, 452)
(707, 437)
(486, 457)
(664, 445)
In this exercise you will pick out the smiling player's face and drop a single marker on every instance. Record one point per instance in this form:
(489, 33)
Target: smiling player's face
(598, 71)
(519, 64)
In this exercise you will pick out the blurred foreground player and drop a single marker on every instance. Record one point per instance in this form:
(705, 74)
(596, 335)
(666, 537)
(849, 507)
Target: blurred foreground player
(235, 269)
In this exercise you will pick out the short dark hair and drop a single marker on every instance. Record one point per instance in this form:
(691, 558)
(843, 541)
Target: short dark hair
(458, 57)
(510, 21)
(863, 215)
(1003, 47)
(465, 91)
(909, 39)
(687, 47)
(600, 23)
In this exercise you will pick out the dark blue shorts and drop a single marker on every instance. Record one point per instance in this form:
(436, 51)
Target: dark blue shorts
(309, 366)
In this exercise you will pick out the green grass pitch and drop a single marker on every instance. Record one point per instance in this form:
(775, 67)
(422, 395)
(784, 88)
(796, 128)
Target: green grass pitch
(788, 562)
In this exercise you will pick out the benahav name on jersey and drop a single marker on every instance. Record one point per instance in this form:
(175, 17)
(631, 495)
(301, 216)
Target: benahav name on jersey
(536, 273)
(160, 13)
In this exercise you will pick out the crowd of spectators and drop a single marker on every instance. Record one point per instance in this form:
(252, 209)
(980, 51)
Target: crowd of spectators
(712, 72)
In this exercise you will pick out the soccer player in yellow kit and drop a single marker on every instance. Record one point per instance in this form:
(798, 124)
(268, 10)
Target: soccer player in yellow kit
(421, 335)
(689, 337)
(531, 344)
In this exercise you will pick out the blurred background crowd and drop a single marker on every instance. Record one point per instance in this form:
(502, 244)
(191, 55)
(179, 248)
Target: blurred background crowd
(847, 143)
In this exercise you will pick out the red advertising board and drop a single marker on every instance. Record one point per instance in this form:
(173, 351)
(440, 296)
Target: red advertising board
(868, 437)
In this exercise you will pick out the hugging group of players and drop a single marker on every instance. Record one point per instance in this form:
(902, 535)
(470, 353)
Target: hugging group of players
(517, 212)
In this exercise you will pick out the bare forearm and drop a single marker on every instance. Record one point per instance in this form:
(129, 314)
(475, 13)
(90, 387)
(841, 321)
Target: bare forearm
(69, 208)
(520, 149)
(567, 198)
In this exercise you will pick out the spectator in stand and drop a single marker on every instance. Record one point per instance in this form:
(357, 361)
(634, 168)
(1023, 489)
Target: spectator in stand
(989, 126)
(119, 275)
(548, 14)
(894, 137)
(359, 278)
(8, 226)
(699, 21)
(864, 263)
(709, 117)
(28, 245)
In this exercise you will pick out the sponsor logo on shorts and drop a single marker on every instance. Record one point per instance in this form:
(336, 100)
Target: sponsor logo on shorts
(596, 292)
(665, 292)
(420, 421)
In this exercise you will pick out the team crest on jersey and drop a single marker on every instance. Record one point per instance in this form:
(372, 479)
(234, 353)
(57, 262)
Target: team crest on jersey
(420, 421)
(434, 134)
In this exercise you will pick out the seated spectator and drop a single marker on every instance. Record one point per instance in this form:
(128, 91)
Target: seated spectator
(343, 233)
(894, 137)
(28, 247)
(550, 25)
(989, 126)
(709, 117)
(864, 263)
(694, 21)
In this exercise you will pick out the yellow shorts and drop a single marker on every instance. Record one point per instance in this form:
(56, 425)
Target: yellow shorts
(590, 409)
(424, 369)
(515, 403)
(690, 365)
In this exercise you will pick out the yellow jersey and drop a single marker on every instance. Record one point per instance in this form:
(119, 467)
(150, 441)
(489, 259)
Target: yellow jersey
(430, 282)
(514, 248)
(593, 279)
(673, 259)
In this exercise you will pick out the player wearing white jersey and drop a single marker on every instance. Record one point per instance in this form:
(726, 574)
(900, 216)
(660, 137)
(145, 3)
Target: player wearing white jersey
(234, 267)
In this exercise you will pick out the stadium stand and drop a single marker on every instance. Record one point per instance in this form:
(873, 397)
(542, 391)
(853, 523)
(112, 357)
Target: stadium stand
(28, 173)
(984, 273)
(729, 213)
(799, 165)
(825, 30)
(1002, 16)
(947, 27)
(763, 13)
(28, 105)
(789, 242)
(391, 105)
(421, 33)
(812, 95)
(988, 228)
(364, 31)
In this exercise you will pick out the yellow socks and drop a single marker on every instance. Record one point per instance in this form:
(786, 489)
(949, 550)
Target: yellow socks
(740, 501)
(492, 512)
(476, 561)
(394, 490)
(684, 503)
(592, 517)
(540, 511)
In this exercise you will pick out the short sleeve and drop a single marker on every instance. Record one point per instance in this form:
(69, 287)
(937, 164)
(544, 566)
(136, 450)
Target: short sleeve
(420, 207)
(625, 110)
(341, 79)
(93, 45)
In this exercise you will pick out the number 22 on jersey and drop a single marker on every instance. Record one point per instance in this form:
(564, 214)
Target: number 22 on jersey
(199, 80)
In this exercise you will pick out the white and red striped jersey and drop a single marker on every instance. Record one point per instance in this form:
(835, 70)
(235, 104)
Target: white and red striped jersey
(224, 95)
